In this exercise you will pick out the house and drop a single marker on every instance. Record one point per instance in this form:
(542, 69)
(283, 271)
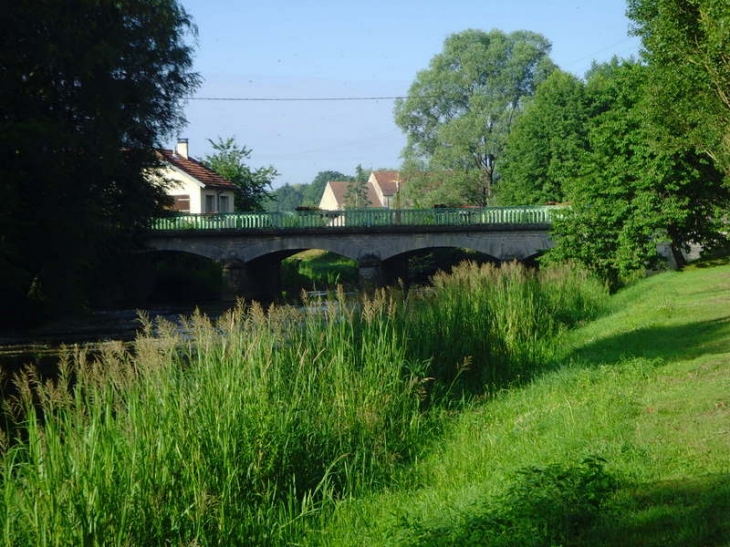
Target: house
(193, 187)
(382, 191)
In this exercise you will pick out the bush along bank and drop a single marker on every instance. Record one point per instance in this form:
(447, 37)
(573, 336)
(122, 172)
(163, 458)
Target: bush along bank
(248, 430)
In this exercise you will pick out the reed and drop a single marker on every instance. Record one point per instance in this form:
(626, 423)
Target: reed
(484, 327)
(248, 430)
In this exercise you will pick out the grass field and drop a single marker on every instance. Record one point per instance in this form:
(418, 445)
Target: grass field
(502, 408)
(627, 443)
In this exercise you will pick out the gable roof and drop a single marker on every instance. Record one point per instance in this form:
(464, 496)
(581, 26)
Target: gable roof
(206, 176)
(339, 189)
(388, 181)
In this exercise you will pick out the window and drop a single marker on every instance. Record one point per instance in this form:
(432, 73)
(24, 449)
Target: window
(224, 204)
(181, 204)
(209, 204)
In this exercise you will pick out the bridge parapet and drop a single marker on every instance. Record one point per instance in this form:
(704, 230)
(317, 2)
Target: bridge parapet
(250, 246)
(352, 218)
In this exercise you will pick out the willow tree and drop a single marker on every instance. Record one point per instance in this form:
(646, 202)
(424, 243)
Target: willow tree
(89, 89)
(459, 110)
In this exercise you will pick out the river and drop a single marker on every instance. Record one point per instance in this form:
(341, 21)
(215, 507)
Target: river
(40, 346)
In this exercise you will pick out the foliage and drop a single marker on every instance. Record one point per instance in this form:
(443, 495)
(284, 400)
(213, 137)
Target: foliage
(541, 507)
(219, 440)
(248, 430)
(361, 175)
(644, 387)
(313, 192)
(460, 110)
(424, 188)
(286, 198)
(230, 160)
(318, 270)
(686, 46)
(544, 149)
(485, 326)
(356, 195)
(635, 191)
(89, 90)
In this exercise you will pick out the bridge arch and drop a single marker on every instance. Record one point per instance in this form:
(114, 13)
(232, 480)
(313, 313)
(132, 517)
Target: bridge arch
(251, 258)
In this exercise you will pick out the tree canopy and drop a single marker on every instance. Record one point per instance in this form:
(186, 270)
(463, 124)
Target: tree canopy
(544, 150)
(686, 45)
(230, 160)
(286, 197)
(634, 192)
(459, 110)
(89, 89)
(313, 192)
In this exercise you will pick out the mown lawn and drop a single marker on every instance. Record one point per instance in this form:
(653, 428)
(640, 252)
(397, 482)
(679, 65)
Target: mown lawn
(626, 443)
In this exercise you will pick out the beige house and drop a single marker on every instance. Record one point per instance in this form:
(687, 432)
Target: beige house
(382, 191)
(194, 187)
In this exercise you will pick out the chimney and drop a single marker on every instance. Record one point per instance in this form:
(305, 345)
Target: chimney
(182, 148)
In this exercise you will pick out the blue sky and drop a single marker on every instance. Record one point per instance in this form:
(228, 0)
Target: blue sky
(278, 49)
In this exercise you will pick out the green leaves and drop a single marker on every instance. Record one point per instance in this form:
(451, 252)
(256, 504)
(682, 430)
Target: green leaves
(230, 161)
(459, 111)
(637, 187)
(686, 45)
(545, 146)
(89, 90)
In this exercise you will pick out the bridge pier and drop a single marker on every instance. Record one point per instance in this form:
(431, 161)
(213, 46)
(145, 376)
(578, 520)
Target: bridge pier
(234, 273)
(370, 273)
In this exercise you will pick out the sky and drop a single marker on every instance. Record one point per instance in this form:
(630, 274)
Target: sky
(264, 53)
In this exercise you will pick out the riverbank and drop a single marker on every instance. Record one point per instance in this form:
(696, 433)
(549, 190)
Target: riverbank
(251, 430)
(626, 443)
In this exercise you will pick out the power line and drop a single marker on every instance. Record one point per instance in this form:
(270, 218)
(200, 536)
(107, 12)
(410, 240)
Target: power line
(292, 99)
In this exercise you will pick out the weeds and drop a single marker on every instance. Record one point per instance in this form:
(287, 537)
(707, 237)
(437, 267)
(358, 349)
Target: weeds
(541, 507)
(250, 429)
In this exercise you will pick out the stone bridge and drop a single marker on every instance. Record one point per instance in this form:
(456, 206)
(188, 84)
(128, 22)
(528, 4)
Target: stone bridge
(251, 258)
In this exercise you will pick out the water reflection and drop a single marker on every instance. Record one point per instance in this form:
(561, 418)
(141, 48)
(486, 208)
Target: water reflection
(41, 346)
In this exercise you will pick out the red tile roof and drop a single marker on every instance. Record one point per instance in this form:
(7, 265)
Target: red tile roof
(388, 181)
(339, 188)
(192, 167)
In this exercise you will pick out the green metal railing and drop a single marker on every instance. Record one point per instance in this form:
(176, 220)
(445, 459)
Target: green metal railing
(360, 218)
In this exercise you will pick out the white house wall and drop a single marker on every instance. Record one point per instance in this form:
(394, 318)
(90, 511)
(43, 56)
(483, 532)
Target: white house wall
(183, 184)
(328, 201)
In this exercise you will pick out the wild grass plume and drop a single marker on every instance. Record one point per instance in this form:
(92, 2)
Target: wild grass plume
(250, 429)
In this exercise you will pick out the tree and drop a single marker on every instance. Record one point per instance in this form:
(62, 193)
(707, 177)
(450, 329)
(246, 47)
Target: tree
(543, 151)
(356, 196)
(361, 174)
(89, 89)
(314, 191)
(286, 198)
(460, 110)
(425, 188)
(254, 186)
(635, 191)
(686, 46)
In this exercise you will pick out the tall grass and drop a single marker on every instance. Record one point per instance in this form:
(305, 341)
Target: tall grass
(485, 327)
(246, 430)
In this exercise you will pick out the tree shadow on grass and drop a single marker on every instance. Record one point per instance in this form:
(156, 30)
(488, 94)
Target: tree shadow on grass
(668, 343)
(688, 513)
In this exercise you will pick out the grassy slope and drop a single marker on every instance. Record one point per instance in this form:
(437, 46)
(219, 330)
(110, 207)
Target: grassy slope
(647, 387)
